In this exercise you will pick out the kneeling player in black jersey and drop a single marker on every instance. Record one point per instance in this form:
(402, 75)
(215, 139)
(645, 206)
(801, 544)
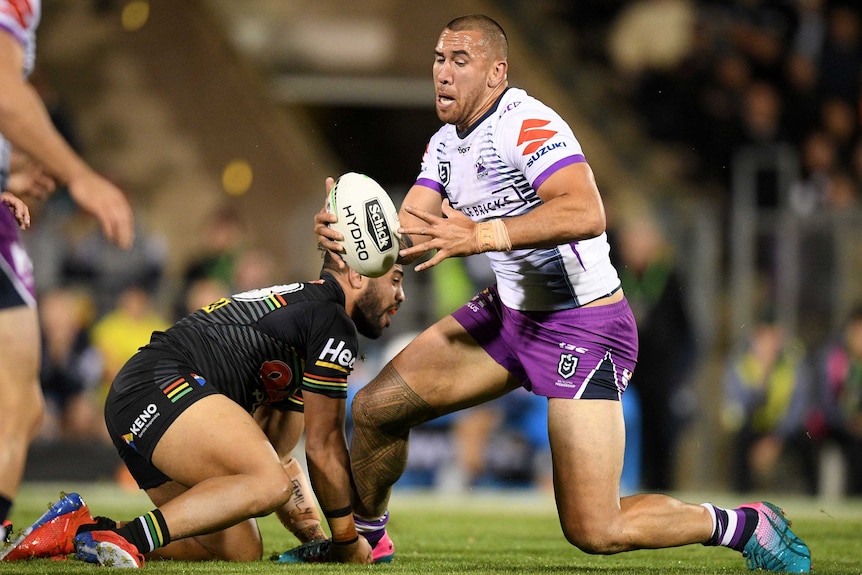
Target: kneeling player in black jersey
(205, 417)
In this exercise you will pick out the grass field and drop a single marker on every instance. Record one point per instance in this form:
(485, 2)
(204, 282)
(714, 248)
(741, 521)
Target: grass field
(484, 533)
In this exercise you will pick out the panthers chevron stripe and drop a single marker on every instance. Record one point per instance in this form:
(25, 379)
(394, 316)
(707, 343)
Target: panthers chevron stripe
(330, 365)
(324, 383)
(176, 390)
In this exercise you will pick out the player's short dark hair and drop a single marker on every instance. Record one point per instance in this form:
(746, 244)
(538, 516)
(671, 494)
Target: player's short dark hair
(487, 26)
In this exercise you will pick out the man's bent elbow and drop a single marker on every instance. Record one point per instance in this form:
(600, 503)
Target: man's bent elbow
(596, 223)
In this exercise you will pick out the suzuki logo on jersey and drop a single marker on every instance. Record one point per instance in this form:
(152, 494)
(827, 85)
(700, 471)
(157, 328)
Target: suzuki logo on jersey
(378, 228)
(337, 354)
(568, 364)
(544, 151)
(533, 134)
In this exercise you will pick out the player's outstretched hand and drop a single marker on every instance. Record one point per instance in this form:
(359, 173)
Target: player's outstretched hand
(18, 208)
(358, 552)
(102, 199)
(452, 235)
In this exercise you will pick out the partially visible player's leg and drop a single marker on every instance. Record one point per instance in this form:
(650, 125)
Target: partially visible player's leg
(587, 443)
(299, 515)
(232, 474)
(21, 402)
(229, 544)
(22, 405)
(441, 371)
(241, 542)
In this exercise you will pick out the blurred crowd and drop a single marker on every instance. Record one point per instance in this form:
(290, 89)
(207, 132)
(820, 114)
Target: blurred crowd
(715, 77)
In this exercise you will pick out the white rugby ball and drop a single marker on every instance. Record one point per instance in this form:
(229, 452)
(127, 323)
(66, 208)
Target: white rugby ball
(368, 220)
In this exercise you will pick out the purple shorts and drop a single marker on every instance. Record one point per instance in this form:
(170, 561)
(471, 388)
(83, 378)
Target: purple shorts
(580, 353)
(16, 270)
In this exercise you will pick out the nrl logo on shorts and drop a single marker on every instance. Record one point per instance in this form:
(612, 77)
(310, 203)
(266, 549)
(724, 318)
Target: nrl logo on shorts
(568, 364)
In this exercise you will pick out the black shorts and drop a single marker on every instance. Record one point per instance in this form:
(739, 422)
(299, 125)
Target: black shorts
(147, 396)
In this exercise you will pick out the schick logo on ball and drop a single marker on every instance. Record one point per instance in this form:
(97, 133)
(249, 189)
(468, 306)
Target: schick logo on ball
(377, 226)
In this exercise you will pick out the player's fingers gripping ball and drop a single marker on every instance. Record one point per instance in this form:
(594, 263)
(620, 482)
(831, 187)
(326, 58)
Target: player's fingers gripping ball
(368, 220)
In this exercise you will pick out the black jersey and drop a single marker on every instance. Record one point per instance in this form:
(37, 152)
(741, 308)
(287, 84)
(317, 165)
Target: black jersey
(263, 346)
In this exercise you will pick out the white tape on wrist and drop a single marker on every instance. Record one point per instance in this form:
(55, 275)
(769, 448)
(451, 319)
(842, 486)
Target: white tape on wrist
(493, 236)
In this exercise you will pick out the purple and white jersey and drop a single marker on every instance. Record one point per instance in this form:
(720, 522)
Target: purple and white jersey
(493, 171)
(20, 19)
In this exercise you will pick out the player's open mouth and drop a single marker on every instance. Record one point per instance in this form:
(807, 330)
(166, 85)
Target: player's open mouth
(444, 100)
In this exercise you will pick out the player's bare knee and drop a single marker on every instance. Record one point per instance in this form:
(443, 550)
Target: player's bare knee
(359, 408)
(592, 539)
(389, 405)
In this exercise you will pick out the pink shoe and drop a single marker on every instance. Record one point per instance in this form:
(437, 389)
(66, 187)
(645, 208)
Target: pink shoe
(384, 551)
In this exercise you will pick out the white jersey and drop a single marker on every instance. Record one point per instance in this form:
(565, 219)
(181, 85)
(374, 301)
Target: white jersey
(493, 171)
(20, 19)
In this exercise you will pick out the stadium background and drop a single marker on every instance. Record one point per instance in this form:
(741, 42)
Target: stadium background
(205, 104)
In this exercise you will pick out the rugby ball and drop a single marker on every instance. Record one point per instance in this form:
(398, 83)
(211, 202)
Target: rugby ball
(368, 220)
